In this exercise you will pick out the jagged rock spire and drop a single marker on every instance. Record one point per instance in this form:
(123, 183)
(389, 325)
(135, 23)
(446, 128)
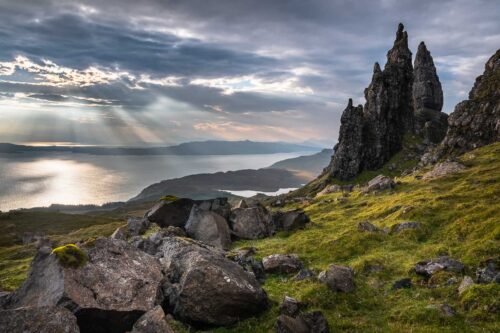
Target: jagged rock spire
(428, 98)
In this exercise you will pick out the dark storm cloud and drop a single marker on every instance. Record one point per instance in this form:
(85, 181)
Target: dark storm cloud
(231, 57)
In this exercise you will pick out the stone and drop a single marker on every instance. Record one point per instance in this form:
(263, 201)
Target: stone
(427, 268)
(304, 274)
(312, 322)
(366, 226)
(176, 212)
(443, 169)
(4, 298)
(203, 287)
(409, 225)
(316, 322)
(290, 307)
(379, 183)
(466, 283)
(489, 273)
(241, 204)
(45, 319)
(282, 263)
(251, 223)
(338, 278)
(152, 244)
(430, 122)
(137, 226)
(152, 321)
(116, 285)
(475, 122)
(208, 227)
(244, 258)
(291, 220)
(447, 310)
(120, 233)
(402, 284)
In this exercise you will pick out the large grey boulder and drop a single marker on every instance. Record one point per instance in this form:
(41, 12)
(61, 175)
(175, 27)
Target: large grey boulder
(338, 278)
(176, 212)
(116, 285)
(379, 183)
(152, 321)
(251, 223)
(208, 227)
(291, 220)
(282, 263)
(46, 319)
(444, 169)
(204, 287)
(429, 267)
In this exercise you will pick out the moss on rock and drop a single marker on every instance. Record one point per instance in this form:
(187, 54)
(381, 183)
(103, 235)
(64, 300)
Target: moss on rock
(70, 256)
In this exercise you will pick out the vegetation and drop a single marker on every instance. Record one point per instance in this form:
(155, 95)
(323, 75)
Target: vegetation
(70, 256)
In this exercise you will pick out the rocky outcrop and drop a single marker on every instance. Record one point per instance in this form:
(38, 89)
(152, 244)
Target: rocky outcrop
(251, 223)
(47, 319)
(208, 227)
(430, 122)
(204, 287)
(476, 121)
(116, 285)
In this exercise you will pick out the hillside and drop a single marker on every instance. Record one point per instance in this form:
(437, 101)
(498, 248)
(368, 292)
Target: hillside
(311, 165)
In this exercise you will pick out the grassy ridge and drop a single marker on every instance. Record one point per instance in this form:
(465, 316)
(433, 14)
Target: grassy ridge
(460, 217)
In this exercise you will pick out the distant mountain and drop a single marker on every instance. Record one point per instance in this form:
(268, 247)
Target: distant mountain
(188, 148)
(202, 186)
(311, 165)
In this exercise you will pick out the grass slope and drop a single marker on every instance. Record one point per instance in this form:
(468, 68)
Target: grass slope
(460, 215)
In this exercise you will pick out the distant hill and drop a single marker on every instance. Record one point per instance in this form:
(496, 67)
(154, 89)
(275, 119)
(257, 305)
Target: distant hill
(188, 148)
(311, 165)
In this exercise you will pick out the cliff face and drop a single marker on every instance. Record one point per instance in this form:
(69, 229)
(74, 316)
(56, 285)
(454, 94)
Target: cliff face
(430, 122)
(476, 121)
(400, 99)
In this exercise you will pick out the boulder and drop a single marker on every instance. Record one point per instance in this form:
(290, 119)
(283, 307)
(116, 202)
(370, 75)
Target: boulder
(402, 284)
(291, 220)
(282, 263)
(379, 183)
(410, 225)
(204, 287)
(290, 307)
(304, 274)
(241, 204)
(137, 226)
(120, 233)
(428, 267)
(338, 278)
(489, 273)
(466, 283)
(152, 321)
(251, 223)
(312, 322)
(45, 319)
(367, 227)
(152, 244)
(444, 169)
(245, 258)
(208, 227)
(108, 293)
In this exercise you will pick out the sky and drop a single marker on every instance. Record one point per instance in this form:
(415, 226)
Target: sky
(156, 72)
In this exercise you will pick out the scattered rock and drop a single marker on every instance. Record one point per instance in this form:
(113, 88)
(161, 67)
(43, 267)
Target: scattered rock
(290, 307)
(152, 321)
(204, 287)
(46, 319)
(291, 220)
(447, 310)
(443, 169)
(428, 267)
(489, 273)
(251, 223)
(466, 283)
(282, 263)
(313, 322)
(114, 288)
(366, 226)
(402, 284)
(304, 274)
(379, 183)
(410, 225)
(244, 258)
(120, 233)
(208, 227)
(137, 226)
(338, 278)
